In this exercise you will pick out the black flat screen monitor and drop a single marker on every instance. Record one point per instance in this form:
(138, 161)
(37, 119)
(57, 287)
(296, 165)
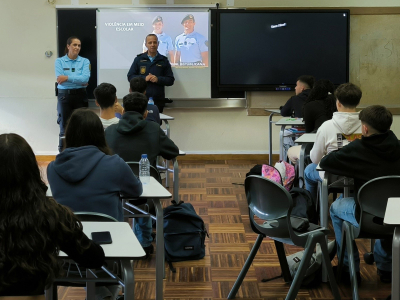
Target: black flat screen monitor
(269, 50)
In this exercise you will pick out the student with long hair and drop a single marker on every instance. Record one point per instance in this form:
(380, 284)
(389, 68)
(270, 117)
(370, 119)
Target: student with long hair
(86, 177)
(320, 105)
(33, 228)
(317, 108)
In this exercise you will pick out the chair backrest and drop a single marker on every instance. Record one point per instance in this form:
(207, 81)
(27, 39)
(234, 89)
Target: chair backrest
(271, 202)
(373, 197)
(134, 165)
(87, 216)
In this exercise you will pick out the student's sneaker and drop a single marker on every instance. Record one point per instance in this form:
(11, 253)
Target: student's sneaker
(149, 250)
(385, 276)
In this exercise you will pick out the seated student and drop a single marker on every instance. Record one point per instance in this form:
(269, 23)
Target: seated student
(85, 176)
(376, 154)
(106, 98)
(133, 136)
(303, 87)
(318, 108)
(344, 122)
(34, 228)
(139, 84)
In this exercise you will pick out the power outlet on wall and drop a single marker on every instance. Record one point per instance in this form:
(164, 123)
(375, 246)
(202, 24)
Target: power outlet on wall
(230, 2)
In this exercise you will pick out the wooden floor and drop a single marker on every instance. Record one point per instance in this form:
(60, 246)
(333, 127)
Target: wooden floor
(222, 205)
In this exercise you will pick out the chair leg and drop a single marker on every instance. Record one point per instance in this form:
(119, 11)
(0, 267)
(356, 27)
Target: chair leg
(301, 272)
(341, 254)
(280, 249)
(246, 267)
(327, 262)
(352, 265)
(51, 292)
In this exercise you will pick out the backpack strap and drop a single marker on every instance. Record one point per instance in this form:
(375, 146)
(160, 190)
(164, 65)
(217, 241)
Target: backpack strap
(171, 267)
(175, 203)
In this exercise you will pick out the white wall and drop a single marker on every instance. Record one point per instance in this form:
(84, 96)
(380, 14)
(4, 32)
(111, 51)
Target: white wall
(28, 104)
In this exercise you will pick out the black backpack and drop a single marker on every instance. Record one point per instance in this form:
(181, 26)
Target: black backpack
(184, 233)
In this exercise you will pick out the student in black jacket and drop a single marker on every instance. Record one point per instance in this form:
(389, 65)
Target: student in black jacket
(303, 87)
(134, 136)
(376, 154)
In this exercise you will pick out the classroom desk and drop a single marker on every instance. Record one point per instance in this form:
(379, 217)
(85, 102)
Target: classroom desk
(273, 112)
(305, 139)
(324, 204)
(392, 214)
(165, 118)
(286, 121)
(154, 191)
(124, 248)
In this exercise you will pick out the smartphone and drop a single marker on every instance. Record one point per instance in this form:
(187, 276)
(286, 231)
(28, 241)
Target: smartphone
(102, 237)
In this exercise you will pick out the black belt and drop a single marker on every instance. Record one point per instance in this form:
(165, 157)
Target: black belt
(71, 91)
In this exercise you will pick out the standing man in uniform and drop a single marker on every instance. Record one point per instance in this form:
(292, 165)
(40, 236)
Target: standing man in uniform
(155, 69)
(191, 47)
(165, 46)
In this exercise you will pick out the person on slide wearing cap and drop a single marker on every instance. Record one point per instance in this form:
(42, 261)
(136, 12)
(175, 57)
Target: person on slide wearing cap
(165, 46)
(191, 47)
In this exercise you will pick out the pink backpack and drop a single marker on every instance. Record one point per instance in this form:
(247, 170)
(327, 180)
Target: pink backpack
(272, 173)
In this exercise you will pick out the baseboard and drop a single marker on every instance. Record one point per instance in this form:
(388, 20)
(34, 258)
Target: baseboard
(199, 157)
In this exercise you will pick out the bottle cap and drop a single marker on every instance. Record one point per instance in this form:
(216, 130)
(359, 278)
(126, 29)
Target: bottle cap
(144, 155)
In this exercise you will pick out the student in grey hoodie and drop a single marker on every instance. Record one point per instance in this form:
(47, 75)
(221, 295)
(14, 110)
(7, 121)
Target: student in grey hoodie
(345, 123)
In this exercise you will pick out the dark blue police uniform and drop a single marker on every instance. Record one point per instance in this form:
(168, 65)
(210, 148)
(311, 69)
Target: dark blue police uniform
(160, 67)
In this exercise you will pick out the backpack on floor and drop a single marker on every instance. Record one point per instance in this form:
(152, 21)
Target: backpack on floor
(184, 233)
(283, 173)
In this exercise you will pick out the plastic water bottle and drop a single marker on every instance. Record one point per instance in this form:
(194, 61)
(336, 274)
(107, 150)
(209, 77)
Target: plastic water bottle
(151, 101)
(144, 169)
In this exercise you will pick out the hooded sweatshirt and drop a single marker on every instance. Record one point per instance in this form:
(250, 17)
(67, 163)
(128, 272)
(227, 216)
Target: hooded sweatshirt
(86, 179)
(371, 157)
(344, 123)
(133, 136)
(295, 103)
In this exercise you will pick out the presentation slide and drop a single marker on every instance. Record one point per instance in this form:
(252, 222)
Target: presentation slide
(183, 38)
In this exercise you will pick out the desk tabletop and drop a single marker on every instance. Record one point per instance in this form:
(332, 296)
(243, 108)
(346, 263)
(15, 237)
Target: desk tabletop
(306, 138)
(124, 244)
(166, 117)
(392, 212)
(290, 121)
(275, 111)
(152, 190)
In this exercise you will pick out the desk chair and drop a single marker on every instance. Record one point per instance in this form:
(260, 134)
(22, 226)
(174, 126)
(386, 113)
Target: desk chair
(142, 206)
(303, 161)
(272, 203)
(74, 275)
(372, 197)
